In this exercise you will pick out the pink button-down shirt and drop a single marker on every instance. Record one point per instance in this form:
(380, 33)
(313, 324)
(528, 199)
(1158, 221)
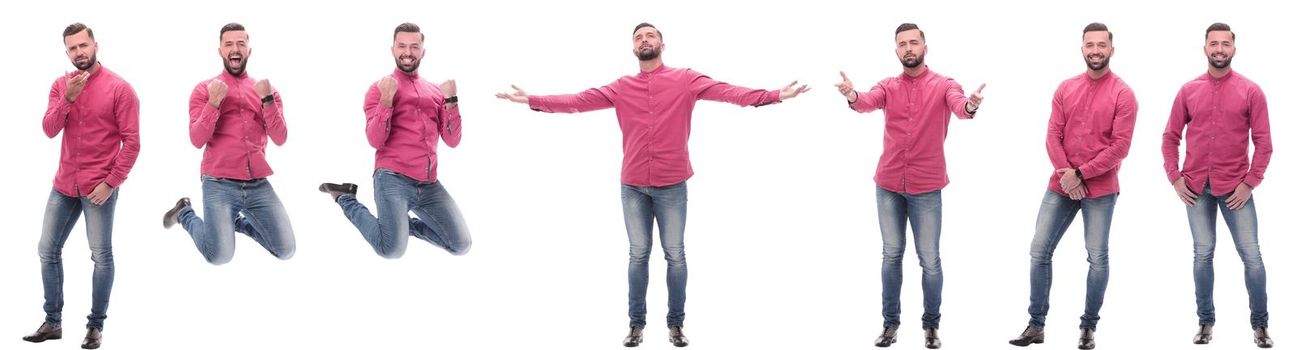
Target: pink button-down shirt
(406, 134)
(917, 111)
(655, 110)
(100, 132)
(1090, 130)
(1222, 115)
(235, 134)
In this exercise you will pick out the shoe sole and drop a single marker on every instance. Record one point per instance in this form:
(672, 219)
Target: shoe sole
(1039, 340)
(40, 340)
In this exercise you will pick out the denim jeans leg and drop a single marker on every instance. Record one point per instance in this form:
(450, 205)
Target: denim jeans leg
(637, 207)
(1055, 215)
(893, 211)
(61, 214)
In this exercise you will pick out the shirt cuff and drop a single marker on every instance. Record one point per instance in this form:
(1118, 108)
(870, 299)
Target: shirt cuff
(1252, 180)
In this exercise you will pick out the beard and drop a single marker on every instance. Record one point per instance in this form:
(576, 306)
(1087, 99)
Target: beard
(1097, 65)
(88, 63)
(650, 54)
(236, 71)
(1220, 64)
(913, 62)
(411, 67)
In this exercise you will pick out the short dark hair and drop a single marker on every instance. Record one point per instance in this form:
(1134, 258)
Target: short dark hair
(1098, 27)
(231, 27)
(649, 25)
(407, 27)
(910, 26)
(1217, 27)
(74, 28)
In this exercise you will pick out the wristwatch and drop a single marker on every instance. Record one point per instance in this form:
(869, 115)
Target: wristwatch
(1079, 175)
(452, 99)
(268, 98)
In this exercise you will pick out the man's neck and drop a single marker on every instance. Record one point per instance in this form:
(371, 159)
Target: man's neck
(650, 65)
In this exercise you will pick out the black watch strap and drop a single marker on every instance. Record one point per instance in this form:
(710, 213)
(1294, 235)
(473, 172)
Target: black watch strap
(452, 99)
(268, 98)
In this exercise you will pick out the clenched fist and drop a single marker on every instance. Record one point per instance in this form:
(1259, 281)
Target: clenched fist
(216, 93)
(387, 88)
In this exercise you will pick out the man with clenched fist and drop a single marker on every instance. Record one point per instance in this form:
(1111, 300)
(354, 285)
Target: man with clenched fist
(230, 117)
(405, 116)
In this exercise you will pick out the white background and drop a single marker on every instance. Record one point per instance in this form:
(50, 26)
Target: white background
(782, 238)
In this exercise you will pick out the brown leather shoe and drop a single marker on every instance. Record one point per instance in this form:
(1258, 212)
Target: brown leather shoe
(172, 216)
(1087, 338)
(931, 341)
(1203, 335)
(45, 332)
(93, 338)
(888, 336)
(1032, 335)
(635, 337)
(677, 337)
(1262, 338)
(337, 190)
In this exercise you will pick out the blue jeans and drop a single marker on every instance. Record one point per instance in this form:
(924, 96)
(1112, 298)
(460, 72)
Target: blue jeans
(61, 213)
(669, 205)
(439, 220)
(1242, 223)
(248, 207)
(1055, 216)
(923, 212)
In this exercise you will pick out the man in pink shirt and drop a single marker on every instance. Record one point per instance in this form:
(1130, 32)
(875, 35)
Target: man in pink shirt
(917, 105)
(1089, 135)
(230, 117)
(405, 116)
(98, 114)
(655, 110)
(1224, 113)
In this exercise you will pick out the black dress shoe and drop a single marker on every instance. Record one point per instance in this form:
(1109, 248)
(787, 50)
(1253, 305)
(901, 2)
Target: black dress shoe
(932, 340)
(172, 216)
(1203, 335)
(93, 338)
(888, 336)
(1262, 338)
(1032, 335)
(677, 337)
(45, 332)
(635, 337)
(1087, 338)
(337, 190)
